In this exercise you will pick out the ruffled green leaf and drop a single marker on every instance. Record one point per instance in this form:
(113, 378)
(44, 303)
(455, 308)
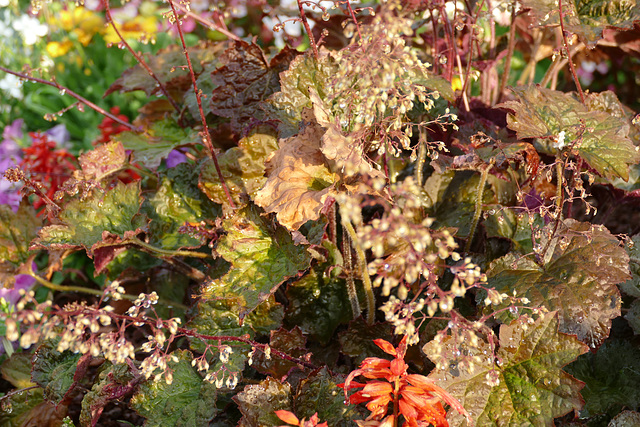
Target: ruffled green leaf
(262, 257)
(305, 74)
(242, 167)
(85, 222)
(318, 305)
(600, 138)
(53, 370)
(578, 278)
(611, 377)
(319, 393)
(259, 402)
(188, 401)
(156, 142)
(528, 387)
(29, 409)
(17, 230)
(178, 201)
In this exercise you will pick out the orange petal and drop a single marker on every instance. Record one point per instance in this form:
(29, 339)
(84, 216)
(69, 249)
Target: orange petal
(376, 388)
(287, 417)
(407, 409)
(385, 346)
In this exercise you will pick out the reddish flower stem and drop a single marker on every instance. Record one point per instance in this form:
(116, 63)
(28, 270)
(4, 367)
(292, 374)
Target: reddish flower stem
(73, 95)
(206, 138)
(307, 28)
(566, 49)
(207, 23)
(139, 58)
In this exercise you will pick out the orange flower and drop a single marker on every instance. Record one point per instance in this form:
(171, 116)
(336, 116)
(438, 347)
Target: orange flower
(290, 418)
(415, 397)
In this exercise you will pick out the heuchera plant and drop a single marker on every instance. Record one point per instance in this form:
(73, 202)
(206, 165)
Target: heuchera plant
(396, 213)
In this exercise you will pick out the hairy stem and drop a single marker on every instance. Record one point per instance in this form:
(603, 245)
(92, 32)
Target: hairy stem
(166, 252)
(348, 267)
(362, 261)
(479, 200)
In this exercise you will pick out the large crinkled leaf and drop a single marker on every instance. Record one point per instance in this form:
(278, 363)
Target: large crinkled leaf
(169, 66)
(54, 371)
(242, 168)
(262, 257)
(299, 180)
(357, 340)
(611, 376)
(17, 370)
(188, 401)
(578, 278)
(600, 138)
(245, 79)
(101, 162)
(291, 342)
(85, 222)
(155, 143)
(530, 387)
(259, 402)
(632, 286)
(304, 74)
(28, 408)
(17, 230)
(178, 201)
(586, 18)
(318, 305)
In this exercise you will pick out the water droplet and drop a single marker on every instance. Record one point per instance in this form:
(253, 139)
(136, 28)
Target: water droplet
(326, 16)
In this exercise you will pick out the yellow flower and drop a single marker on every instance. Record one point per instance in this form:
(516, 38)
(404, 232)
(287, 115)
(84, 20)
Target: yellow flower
(57, 49)
(138, 28)
(82, 22)
(456, 83)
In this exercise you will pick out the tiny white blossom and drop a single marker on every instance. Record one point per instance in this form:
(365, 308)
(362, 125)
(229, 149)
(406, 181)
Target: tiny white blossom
(559, 144)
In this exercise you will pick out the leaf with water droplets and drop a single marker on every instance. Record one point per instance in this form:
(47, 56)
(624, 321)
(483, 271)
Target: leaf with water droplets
(578, 278)
(101, 162)
(262, 257)
(87, 223)
(17, 229)
(587, 18)
(242, 168)
(169, 66)
(528, 387)
(54, 371)
(600, 138)
(187, 401)
(245, 79)
(259, 402)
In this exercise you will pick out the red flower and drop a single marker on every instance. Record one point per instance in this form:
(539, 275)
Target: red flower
(47, 165)
(109, 127)
(415, 397)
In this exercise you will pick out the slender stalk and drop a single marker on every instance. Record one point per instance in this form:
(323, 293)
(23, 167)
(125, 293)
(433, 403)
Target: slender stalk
(510, 49)
(165, 252)
(362, 261)
(566, 48)
(559, 192)
(355, 21)
(479, 200)
(139, 58)
(422, 157)
(205, 22)
(307, 28)
(72, 94)
(206, 137)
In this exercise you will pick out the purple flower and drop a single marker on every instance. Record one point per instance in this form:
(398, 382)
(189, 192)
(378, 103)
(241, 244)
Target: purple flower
(10, 155)
(23, 281)
(175, 158)
(59, 134)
